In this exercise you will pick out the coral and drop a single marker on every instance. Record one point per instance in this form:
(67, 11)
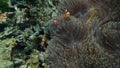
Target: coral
(6, 48)
(90, 41)
(3, 17)
(6, 64)
(34, 60)
(25, 21)
(3, 4)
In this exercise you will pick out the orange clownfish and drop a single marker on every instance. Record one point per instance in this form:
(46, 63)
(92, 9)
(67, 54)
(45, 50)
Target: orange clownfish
(67, 15)
(55, 23)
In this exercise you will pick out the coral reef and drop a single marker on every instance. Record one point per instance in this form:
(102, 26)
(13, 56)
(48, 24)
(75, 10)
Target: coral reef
(5, 52)
(90, 39)
(59, 34)
(23, 37)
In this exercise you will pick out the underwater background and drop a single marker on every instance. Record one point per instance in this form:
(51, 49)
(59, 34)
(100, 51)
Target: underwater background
(59, 33)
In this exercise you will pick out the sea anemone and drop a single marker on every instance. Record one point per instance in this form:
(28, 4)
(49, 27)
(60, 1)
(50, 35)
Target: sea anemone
(88, 41)
(73, 8)
(70, 31)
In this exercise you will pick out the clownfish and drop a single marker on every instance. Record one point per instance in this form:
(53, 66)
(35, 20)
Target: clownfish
(55, 23)
(67, 15)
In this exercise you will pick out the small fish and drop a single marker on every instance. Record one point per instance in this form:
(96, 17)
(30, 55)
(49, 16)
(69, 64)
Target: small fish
(67, 15)
(55, 23)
